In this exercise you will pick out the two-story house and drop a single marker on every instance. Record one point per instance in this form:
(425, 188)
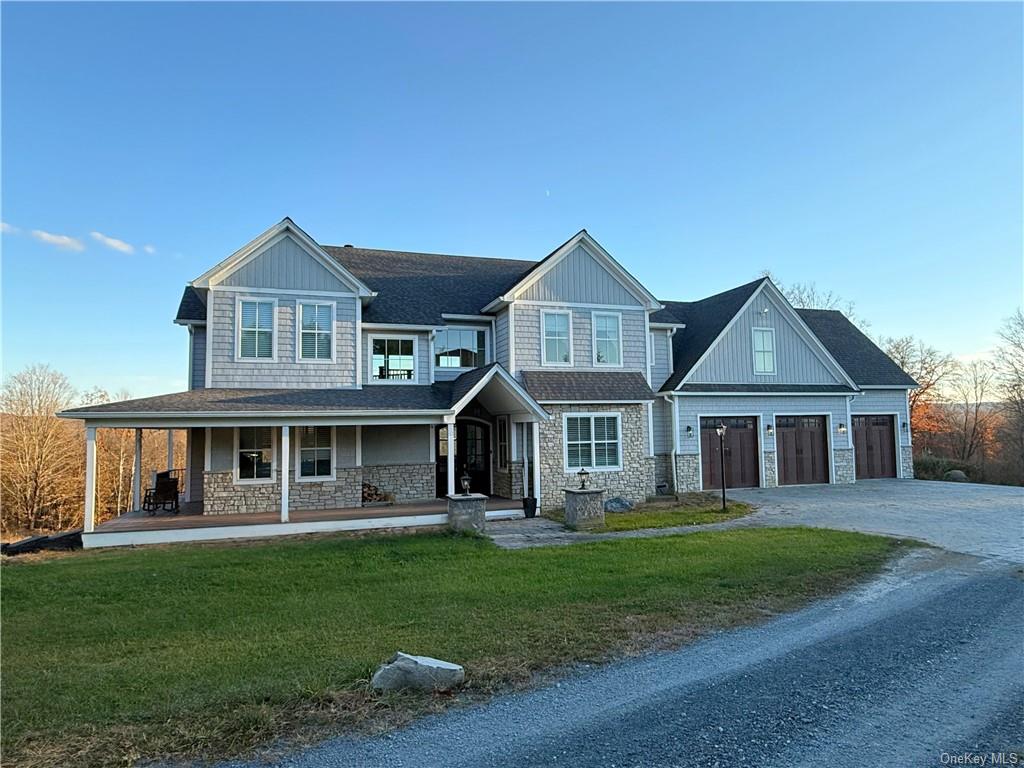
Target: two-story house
(322, 379)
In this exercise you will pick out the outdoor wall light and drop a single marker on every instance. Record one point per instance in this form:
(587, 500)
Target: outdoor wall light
(689, 431)
(770, 429)
(466, 480)
(904, 426)
(583, 475)
(842, 429)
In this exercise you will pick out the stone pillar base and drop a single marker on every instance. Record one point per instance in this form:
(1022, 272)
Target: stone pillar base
(584, 509)
(467, 513)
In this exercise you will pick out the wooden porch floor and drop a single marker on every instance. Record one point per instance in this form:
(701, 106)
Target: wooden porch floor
(191, 516)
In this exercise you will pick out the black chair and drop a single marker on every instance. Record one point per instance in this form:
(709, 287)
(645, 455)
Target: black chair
(164, 496)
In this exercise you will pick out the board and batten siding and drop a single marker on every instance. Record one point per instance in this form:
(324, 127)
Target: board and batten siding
(661, 344)
(763, 407)
(286, 265)
(579, 279)
(285, 371)
(198, 351)
(528, 339)
(731, 360)
(422, 355)
(885, 401)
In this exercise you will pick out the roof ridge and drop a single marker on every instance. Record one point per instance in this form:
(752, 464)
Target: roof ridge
(344, 248)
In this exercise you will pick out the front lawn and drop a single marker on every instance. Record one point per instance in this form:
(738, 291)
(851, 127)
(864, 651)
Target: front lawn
(688, 509)
(113, 656)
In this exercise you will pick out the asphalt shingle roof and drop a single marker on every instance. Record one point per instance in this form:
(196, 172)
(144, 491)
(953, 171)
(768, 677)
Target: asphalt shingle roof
(856, 353)
(548, 386)
(193, 305)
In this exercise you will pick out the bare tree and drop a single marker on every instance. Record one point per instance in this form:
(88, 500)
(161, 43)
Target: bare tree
(929, 367)
(810, 296)
(1009, 368)
(972, 412)
(41, 457)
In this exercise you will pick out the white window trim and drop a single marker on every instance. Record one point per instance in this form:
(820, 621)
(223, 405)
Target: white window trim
(238, 331)
(543, 339)
(593, 338)
(415, 358)
(617, 415)
(753, 352)
(273, 461)
(298, 455)
(507, 455)
(487, 346)
(298, 331)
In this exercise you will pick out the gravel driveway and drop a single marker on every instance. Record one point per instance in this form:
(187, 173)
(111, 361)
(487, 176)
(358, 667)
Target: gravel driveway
(924, 660)
(983, 520)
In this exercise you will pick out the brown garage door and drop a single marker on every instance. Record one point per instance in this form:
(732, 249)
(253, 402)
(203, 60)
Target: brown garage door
(740, 452)
(874, 446)
(802, 447)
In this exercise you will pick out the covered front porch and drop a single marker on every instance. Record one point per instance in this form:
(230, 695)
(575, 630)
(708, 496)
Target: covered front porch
(266, 471)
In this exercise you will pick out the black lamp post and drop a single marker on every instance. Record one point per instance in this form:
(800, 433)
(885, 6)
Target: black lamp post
(720, 429)
(583, 475)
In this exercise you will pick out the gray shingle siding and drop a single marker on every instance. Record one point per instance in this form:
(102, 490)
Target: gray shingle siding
(398, 444)
(662, 426)
(731, 360)
(198, 351)
(286, 265)
(660, 358)
(501, 339)
(579, 279)
(284, 371)
(528, 338)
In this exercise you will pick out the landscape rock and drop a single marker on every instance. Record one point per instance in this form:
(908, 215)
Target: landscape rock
(422, 673)
(956, 476)
(618, 504)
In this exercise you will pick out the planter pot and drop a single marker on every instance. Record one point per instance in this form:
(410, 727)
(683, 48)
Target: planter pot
(530, 506)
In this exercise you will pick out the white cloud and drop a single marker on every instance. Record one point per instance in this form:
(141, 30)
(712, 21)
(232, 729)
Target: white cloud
(61, 241)
(8, 229)
(113, 242)
(150, 249)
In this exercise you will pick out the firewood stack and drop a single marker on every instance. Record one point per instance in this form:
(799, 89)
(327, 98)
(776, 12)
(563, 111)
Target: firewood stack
(374, 495)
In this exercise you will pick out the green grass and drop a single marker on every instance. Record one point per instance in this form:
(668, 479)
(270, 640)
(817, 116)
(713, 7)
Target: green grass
(110, 656)
(689, 509)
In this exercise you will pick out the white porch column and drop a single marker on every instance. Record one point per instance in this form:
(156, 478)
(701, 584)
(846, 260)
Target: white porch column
(137, 472)
(450, 432)
(536, 462)
(90, 479)
(170, 449)
(285, 455)
(526, 465)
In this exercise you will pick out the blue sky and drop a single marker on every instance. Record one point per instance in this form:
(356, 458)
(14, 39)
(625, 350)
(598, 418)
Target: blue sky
(874, 149)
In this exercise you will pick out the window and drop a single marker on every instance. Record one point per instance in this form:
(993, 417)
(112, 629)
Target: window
(460, 348)
(315, 452)
(255, 454)
(392, 359)
(607, 339)
(503, 442)
(557, 338)
(592, 441)
(316, 322)
(256, 329)
(764, 350)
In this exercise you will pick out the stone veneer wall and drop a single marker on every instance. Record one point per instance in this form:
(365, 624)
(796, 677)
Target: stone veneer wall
(407, 482)
(663, 471)
(771, 478)
(688, 472)
(345, 491)
(907, 459)
(509, 482)
(842, 461)
(634, 482)
(221, 496)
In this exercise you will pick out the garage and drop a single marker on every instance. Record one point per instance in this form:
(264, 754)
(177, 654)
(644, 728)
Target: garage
(802, 449)
(874, 446)
(741, 464)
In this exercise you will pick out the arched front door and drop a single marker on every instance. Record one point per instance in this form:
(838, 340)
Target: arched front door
(472, 456)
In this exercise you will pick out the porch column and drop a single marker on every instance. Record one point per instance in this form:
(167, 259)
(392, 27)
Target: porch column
(285, 455)
(137, 472)
(170, 449)
(536, 462)
(450, 432)
(90, 480)
(526, 466)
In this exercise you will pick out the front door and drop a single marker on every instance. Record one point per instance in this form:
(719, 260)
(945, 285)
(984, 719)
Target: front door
(472, 456)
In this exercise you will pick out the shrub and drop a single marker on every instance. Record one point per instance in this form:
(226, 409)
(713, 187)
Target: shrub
(934, 468)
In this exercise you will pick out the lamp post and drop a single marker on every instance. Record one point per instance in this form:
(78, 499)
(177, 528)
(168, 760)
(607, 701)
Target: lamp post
(720, 429)
(466, 481)
(583, 475)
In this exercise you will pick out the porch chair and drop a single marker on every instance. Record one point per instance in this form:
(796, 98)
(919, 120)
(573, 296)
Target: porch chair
(163, 496)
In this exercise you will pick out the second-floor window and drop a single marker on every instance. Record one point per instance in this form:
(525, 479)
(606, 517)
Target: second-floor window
(607, 338)
(460, 348)
(557, 338)
(256, 329)
(392, 359)
(316, 322)
(764, 351)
